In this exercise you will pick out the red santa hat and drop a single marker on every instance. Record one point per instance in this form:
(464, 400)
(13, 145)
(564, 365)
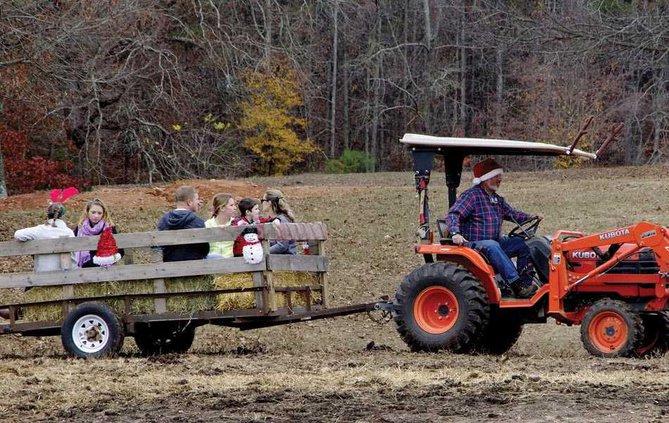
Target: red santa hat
(107, 253)
(487, 169)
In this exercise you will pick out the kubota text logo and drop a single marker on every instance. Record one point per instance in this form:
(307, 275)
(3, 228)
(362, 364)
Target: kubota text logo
(613, 234)
(584, 255)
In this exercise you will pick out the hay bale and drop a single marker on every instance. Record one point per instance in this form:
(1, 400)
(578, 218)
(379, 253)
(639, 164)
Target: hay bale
(221, 302)
(288, 279)
(247, 300)
(139, 306)
(189, 304)
(232, 301)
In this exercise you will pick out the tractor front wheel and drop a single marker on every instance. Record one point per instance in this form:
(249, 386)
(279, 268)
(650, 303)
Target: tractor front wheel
(440, 306)
(611, 328)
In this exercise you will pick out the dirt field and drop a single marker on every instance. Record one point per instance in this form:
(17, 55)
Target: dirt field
(350, 368)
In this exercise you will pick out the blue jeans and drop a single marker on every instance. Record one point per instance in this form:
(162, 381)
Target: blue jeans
(499, 253)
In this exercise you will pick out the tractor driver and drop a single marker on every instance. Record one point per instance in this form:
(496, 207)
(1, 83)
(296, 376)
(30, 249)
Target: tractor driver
(475, 220)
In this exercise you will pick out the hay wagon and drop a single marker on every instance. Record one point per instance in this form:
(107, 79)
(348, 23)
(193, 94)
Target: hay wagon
(160, 304)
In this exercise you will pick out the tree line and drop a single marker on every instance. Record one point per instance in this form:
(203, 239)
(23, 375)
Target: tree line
(139, 91)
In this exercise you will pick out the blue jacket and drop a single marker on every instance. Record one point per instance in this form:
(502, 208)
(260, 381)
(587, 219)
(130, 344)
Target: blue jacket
(182, 219)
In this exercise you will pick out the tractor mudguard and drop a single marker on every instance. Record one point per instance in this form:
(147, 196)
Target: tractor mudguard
(468, 258)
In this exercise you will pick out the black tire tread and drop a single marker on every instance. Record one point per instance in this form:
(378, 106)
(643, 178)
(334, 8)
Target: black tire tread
(474, 296)
(656, 322)
(500, 335)
(164, 339)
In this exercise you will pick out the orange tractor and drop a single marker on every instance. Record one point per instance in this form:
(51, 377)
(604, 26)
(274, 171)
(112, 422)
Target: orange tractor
(615, 284)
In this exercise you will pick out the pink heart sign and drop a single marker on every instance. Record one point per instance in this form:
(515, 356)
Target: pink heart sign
(61, 195)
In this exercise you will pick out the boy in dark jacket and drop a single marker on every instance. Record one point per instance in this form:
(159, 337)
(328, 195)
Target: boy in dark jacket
(183, 217)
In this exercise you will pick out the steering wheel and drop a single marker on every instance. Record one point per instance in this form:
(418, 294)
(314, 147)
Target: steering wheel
(527, 229)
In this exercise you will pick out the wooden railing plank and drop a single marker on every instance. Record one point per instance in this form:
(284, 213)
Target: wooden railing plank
(297, 231)
(297, 263)
(129, 272)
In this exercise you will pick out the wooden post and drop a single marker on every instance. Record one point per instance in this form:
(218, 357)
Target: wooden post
(68, 290)
(271, 293)
(129, 256)
(68, 293)
(267, 282)
(262, 297)
(160, 304)
(319, 249)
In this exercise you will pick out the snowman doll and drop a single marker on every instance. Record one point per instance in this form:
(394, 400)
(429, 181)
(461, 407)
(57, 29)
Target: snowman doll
(252, 250)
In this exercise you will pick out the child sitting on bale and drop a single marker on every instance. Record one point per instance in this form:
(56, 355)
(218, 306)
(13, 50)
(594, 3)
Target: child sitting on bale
(224, 210)
(94, 220)
(278, 210)
(249, 214)
(54, 228)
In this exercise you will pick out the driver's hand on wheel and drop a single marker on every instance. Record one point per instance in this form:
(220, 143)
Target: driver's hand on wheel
(458, 239)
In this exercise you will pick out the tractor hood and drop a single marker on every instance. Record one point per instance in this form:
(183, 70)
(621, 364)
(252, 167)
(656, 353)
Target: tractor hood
(467, 146)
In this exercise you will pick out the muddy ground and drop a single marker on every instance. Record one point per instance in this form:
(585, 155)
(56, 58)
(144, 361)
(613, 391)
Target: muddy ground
(349, 368)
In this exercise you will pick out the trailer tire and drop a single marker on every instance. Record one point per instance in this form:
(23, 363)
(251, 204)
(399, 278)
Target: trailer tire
(500, 335)
(92, 330)
(611, 328)
(440, 306)
(164, 339)
(656, 335)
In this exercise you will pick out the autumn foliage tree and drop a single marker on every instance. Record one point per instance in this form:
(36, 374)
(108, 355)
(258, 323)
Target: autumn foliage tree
(269, 117)
(25, 172)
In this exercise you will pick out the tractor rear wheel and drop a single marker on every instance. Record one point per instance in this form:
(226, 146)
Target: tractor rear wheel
(500, 335)
(656, 331)
(440, 306)
(611, 328)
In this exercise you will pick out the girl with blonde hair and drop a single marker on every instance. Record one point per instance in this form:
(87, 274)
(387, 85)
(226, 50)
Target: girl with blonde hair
(224, 209)
(94, 220)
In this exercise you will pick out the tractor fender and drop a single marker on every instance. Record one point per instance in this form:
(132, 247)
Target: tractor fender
(468, 258)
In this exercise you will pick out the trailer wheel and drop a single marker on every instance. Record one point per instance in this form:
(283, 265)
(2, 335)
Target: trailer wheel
(440, 306)
(611, 328)
(656, 331)
(500, 335)
(92, 330)
(164, 339)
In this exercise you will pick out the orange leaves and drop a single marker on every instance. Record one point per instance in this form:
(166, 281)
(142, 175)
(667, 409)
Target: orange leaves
(269, 117)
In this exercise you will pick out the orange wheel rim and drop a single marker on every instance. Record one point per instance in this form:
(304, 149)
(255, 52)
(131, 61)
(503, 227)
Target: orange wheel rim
(436, 310)
(608, 331)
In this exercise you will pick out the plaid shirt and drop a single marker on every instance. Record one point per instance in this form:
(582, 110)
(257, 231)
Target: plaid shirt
(478, 216)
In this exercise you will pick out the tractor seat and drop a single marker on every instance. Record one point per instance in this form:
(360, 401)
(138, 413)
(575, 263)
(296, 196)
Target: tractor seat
(444, 238)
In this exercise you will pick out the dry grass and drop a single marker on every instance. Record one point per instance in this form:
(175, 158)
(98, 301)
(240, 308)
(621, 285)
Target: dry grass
(350, 368)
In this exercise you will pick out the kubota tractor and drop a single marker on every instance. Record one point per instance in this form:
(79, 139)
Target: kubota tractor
(614, 284)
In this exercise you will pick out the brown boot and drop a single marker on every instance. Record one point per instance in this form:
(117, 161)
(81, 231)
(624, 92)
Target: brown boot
(523, 291)
(4, 313)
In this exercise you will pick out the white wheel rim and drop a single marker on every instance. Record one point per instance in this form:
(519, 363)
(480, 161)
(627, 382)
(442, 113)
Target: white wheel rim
(90, 333)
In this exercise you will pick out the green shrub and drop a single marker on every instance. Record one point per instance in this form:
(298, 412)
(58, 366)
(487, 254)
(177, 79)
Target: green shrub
(351, 161)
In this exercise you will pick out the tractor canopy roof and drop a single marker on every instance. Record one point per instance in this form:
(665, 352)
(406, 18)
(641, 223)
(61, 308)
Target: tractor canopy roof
(454, 150)
(481, 146)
